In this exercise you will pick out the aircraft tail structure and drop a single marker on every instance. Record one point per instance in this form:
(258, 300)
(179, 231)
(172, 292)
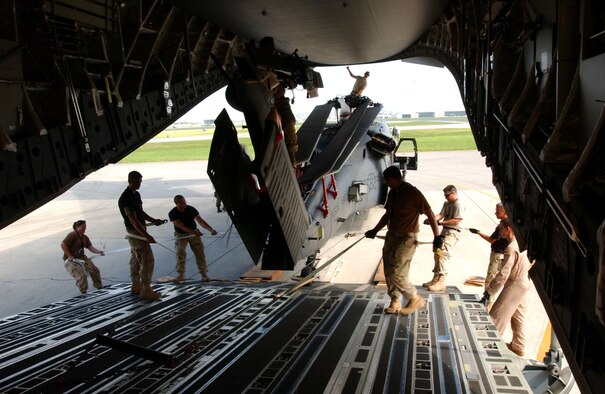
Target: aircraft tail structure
(272, 223)
(288, 231)
(230, 170)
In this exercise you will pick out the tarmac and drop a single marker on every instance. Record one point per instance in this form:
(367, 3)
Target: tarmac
(32, 270)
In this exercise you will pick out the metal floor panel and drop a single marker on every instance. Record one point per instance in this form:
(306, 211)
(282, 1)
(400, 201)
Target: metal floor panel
(233, 338)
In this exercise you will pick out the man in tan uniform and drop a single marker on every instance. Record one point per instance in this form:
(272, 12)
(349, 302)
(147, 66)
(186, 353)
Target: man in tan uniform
(449, 217)
(513, 279)
(184, 218)
(404, 205)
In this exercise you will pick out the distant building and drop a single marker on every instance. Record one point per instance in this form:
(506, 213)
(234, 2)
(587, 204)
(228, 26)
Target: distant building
(454, 113)
(426, 114)
(208, 122)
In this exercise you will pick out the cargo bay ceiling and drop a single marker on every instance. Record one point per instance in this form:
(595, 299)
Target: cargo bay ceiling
(82, 82)
(328, 32)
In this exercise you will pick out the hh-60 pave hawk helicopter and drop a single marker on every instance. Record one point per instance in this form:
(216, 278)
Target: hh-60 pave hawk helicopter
(282, 216)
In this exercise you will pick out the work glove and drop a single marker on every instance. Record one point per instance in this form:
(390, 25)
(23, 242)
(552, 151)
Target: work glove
(473, 230)
(485, 299)
(371, 233)
(438, 242)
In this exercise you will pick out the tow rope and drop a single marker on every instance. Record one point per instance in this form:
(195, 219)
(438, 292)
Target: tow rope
(309, 278)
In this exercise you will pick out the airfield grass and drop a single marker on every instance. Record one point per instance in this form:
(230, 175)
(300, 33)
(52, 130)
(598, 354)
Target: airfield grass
(208, 130)
(186, 132)
(429, 140)
(436, 140)
(175, 151)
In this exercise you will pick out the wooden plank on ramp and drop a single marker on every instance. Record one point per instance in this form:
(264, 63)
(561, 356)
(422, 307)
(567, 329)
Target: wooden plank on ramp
(256, 274)
(379, 279)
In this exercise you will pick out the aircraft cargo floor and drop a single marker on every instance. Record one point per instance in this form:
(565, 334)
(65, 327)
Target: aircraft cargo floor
(242, 339)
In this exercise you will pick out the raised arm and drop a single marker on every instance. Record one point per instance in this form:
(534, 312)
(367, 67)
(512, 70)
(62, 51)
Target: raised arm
(351, 74)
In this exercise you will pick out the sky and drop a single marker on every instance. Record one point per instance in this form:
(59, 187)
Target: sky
(399, 86)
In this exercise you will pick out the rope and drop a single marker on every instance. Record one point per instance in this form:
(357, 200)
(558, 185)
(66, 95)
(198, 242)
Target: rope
(118, 279)
(208, 264)
(110, 252)
(310, 277)
(490, 217)
(136, 236)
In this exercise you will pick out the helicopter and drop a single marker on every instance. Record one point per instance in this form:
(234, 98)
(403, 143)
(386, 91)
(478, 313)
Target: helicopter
(286, 213)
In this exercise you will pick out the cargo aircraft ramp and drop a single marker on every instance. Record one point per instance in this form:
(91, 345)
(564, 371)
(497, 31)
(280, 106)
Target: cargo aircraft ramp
(246, 339)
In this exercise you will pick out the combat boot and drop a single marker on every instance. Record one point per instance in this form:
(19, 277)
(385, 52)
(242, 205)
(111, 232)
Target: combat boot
(416, 302)
(148, 294)
(393, 307)
(136, 287)
(439, 285)
(432, 281)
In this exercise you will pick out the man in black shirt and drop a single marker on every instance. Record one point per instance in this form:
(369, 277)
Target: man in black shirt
(141, 256)
(183, 217)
